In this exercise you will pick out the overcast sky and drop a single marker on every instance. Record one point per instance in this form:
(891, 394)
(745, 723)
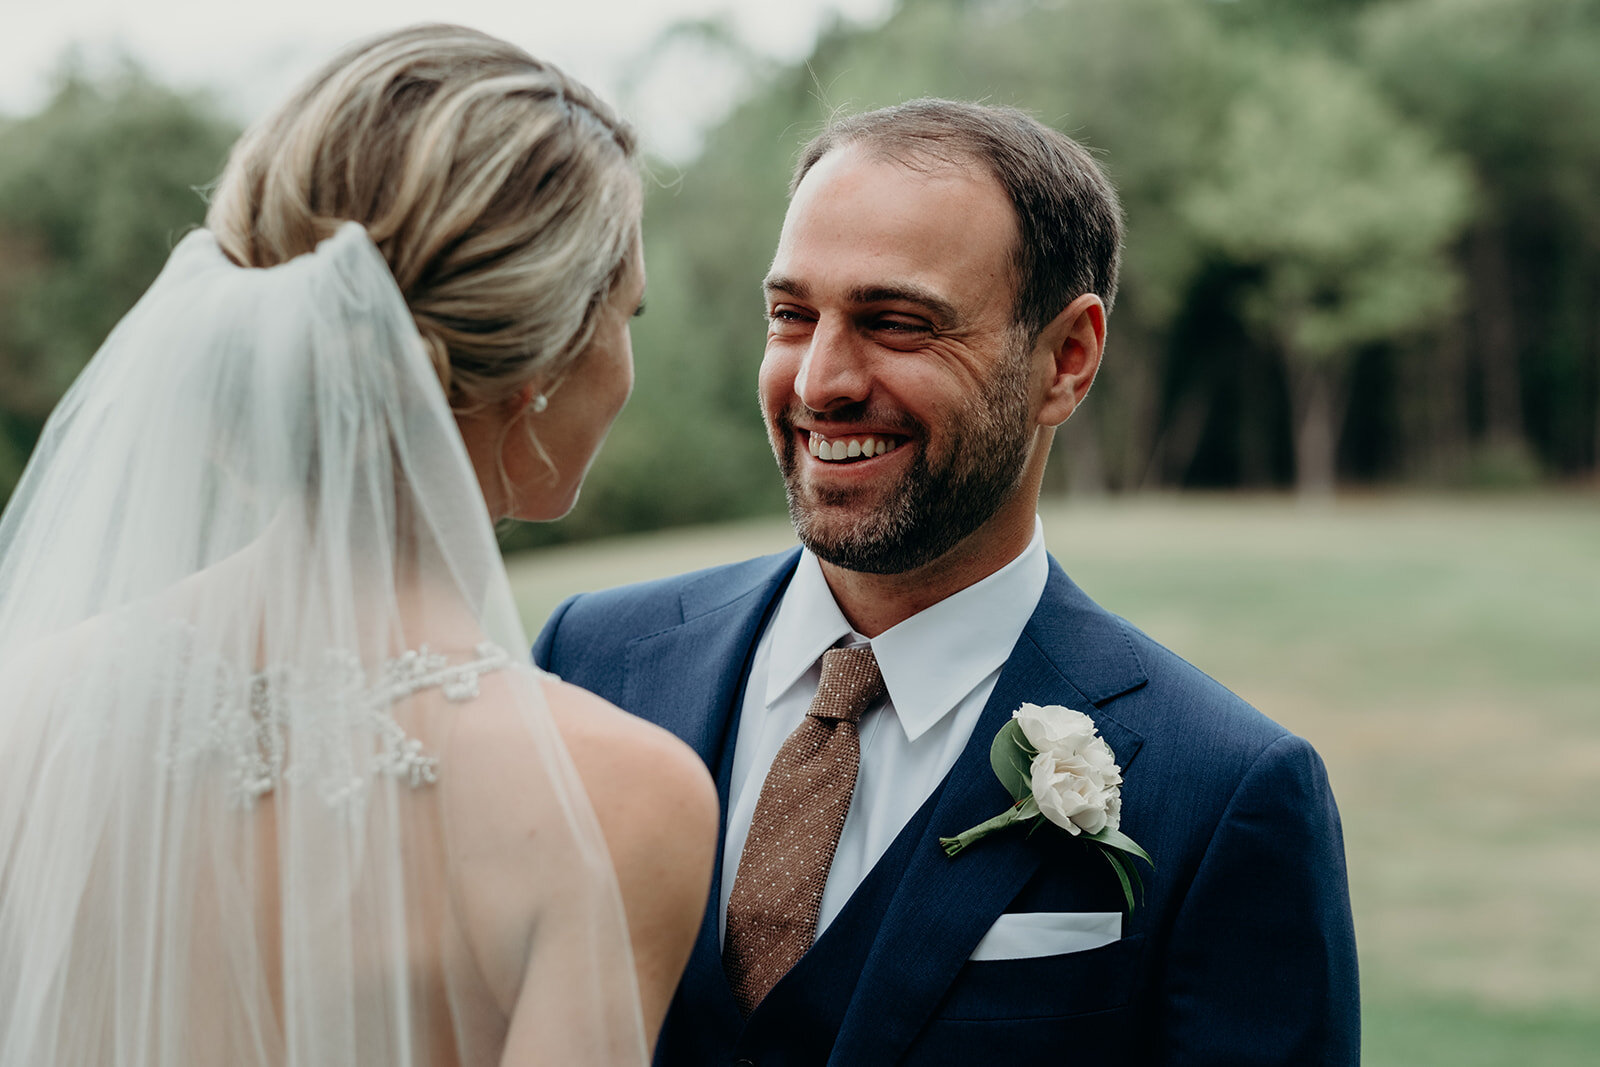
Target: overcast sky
(250, 53)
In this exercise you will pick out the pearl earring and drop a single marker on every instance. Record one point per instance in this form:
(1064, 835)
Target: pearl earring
(539, 403)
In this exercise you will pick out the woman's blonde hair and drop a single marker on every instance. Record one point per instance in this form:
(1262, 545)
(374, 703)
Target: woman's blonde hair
(504, 195)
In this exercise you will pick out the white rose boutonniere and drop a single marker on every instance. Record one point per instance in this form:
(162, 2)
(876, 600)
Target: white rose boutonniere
(1059, 769)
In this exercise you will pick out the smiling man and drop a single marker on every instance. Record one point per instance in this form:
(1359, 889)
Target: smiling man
(937, 307)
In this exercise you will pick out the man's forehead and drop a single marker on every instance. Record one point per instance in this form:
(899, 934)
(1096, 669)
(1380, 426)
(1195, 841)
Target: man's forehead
(868, 228)
(883, 190)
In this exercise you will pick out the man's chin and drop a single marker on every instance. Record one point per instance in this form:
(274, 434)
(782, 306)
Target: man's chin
(856, 504)
(852, 538)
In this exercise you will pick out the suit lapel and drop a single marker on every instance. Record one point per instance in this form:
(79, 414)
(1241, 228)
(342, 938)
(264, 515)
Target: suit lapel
(1071, 653)
(689, 679)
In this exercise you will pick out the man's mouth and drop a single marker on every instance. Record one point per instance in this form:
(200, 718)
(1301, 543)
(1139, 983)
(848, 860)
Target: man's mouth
(851, 447)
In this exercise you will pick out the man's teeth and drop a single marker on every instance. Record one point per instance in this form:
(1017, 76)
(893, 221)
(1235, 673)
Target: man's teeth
(848, 447)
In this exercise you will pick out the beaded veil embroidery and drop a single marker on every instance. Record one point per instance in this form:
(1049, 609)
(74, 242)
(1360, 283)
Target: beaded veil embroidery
(356, 737)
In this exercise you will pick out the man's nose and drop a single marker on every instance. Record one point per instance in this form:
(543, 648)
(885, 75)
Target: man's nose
(834, 370)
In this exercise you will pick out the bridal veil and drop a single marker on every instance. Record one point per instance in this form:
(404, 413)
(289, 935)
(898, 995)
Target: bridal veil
(265, 716)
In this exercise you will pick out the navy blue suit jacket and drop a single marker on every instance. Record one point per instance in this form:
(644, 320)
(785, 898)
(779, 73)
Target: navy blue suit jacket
(1241, 951)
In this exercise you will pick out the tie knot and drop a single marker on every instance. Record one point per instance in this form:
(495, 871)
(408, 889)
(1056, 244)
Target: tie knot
(851, 683)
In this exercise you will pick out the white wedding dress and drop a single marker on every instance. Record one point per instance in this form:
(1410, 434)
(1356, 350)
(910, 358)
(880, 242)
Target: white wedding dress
(277, 786)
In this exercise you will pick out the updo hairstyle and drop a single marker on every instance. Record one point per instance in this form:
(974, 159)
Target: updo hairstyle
(503, 194)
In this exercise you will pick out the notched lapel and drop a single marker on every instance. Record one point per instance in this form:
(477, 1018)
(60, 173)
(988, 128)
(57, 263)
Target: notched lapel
(1090, 653)
(1072, 653)
(688, 678)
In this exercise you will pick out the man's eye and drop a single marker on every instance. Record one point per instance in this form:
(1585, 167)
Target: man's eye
(786, 324)
(901, 326)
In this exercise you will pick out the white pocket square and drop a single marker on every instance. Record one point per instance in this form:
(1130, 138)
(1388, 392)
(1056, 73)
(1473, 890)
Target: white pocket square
(1025, 935)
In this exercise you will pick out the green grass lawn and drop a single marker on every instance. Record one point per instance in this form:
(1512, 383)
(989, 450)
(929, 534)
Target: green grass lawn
(1444, 656)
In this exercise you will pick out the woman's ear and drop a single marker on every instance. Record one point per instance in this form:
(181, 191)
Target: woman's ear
(1071, 346)
(519, 401)
(529, 399)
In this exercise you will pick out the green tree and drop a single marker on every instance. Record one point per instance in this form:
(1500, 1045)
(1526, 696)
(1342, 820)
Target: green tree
(1514, 87)
(1345, 214)
(94, 191)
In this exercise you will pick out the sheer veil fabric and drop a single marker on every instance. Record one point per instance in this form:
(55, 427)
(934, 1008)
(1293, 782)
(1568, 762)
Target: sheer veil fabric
(271, 793)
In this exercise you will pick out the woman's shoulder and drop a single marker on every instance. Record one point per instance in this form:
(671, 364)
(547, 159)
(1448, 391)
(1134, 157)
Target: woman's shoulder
(630, 768)
(622, 750)
(657, 807)
(652, 798)
(652, 794)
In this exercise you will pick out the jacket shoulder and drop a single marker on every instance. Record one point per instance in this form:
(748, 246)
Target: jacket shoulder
(602, 622)
(1170, 703)
(1137, 680)
(1204, 742)
(1179, 696)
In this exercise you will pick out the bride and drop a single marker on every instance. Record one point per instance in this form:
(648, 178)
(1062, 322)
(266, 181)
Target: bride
(277, 783)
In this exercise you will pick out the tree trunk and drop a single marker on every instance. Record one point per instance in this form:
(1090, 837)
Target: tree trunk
(1175, 447)
(1594, 344)
(1254, 435)
(1317, 399)
(1496, 336)
(1437, 423)
(1124, 400)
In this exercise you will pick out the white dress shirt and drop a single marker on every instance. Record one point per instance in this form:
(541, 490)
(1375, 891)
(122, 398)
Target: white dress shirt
(939, 667)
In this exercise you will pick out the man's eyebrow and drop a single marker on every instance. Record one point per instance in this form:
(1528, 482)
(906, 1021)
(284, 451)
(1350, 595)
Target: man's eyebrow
(936, 306)
(777, 283)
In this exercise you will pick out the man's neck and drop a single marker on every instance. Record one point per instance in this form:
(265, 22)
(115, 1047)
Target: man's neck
(873, 603)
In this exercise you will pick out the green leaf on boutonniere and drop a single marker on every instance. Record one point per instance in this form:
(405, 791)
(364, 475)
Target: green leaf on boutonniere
(1118, 850)
(1118, 864)
(1012, 759)
(1122, 842)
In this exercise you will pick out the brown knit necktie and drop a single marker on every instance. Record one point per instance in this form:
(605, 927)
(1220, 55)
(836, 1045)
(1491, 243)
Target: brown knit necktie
(772, 910)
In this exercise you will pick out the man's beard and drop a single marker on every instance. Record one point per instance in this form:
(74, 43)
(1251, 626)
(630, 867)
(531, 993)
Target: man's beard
(931, 508)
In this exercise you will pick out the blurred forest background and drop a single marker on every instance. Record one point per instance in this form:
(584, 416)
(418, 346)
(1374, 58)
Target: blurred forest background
(1363, 245)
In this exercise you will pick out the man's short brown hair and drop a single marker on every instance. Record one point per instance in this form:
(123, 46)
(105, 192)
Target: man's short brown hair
(1069, 221)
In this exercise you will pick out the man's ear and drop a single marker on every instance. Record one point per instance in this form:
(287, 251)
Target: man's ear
(1071, 347)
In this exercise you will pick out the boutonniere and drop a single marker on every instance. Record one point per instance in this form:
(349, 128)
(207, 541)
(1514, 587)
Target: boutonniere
(1058, 767)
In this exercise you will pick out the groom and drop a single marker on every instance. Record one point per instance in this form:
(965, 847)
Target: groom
(937, 307)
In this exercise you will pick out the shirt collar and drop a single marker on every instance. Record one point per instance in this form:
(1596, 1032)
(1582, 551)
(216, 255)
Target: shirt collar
(931, 661)
(807, 624)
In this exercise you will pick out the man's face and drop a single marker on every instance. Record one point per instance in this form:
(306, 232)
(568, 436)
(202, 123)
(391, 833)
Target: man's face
(890, 345)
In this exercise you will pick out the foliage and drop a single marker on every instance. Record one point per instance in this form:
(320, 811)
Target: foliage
(1514, 87)
(1345, 209)
(94, 192)
(1510, 83)
(1343, 212)
(1385, 201)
